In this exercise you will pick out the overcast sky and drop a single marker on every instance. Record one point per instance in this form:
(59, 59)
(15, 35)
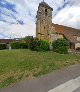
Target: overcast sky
(65, 12)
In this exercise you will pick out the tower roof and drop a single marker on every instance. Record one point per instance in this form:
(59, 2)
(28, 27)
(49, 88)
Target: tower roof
(45, 4)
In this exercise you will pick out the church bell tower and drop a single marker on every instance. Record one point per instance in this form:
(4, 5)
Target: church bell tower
(43, 21)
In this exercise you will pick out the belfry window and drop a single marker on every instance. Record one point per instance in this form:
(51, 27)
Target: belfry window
(46, 12)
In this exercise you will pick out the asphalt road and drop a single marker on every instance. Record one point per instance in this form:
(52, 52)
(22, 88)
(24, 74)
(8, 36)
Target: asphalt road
(77, 90)
(49, 82)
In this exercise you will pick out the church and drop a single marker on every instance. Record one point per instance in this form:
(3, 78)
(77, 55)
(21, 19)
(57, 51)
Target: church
(46, 30)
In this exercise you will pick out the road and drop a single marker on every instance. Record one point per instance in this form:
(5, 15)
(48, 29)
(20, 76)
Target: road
(63, 80)
(69, 86)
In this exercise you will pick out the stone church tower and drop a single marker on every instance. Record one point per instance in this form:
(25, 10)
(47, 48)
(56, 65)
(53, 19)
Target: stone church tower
(44, 27)
(46, 30)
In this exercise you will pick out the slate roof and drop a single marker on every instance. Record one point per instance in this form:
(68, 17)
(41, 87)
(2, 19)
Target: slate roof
(45, 4)
(68, 32)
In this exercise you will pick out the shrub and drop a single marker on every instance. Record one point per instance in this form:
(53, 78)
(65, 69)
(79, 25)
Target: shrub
(39, 45)
(3, 46)
(23, 45)
(28, 40)
(18, 45)
(44, 46)
(61, 46)
(34, 45)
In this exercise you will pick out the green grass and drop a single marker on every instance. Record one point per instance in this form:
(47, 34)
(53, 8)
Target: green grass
(17, 65)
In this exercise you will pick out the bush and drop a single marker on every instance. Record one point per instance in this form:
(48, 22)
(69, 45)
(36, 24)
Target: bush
(18, 45)
(24, 45)
(28, 40)
(34, 45)
(39, 45)
(3, 46)
(44, 46)
(60, 46)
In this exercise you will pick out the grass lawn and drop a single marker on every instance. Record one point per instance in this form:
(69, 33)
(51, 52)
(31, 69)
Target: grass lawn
(17, 65)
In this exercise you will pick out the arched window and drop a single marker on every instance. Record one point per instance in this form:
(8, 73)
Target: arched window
(46, 12)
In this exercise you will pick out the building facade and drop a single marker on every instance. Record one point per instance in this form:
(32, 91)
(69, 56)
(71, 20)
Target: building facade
(44, 21)
(46, 30)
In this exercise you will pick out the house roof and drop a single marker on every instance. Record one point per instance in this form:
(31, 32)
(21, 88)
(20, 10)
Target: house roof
(45, 4)
(68, 32)
(7, 41)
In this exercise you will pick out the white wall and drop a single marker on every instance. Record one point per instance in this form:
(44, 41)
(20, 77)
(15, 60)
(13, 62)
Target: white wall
(77, 45)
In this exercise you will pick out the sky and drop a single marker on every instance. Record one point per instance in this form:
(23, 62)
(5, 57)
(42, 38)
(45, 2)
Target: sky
(18, 17)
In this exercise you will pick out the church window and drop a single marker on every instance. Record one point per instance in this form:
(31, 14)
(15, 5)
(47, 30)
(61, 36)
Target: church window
(46, 12)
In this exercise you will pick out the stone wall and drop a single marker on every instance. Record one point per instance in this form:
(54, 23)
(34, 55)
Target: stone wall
(78, 38)
(77, 45)
(44, 23)
(55, 36)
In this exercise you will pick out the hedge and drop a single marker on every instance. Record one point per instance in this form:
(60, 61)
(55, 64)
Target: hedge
(44, 45)
(61, 46)
(18, 45)
(39, 45)
(3, 46)
(34, 45)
